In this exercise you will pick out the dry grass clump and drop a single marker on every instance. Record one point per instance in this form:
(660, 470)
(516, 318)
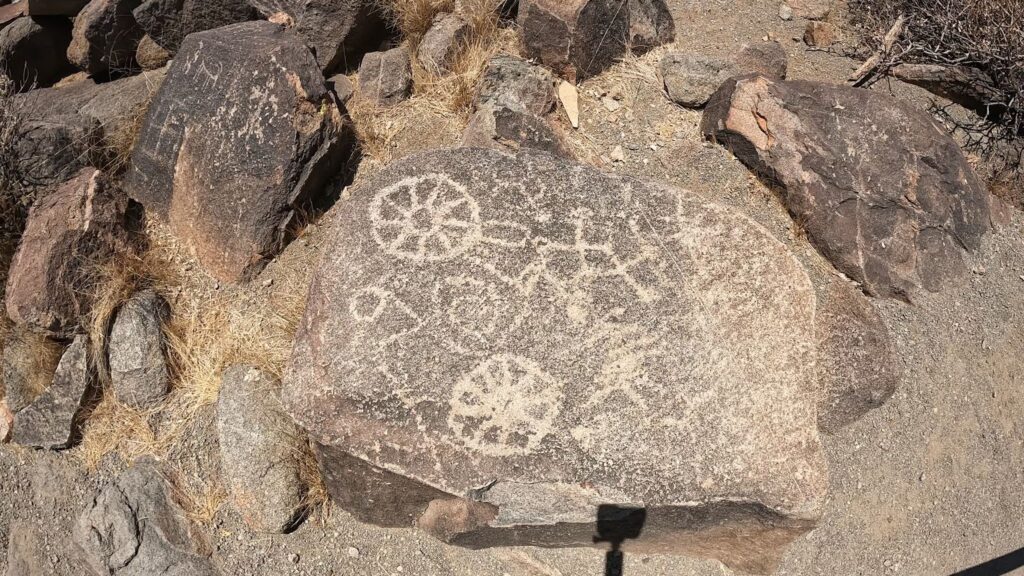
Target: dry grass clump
(412, 18)
(986, 35)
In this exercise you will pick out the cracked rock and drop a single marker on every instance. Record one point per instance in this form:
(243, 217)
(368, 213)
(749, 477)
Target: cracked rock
(882, 191)
(442, 43)
(136, 351)
(386, 77)
(502, 376)
(260, 449)
(577, 39)
(133, 527)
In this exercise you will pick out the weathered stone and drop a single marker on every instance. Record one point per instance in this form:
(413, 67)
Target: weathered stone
(338, 33)
(230, 147)
(442, 43)
(857, 369)
(105, 37)
(52, 150)
(71, 231)
(765, 58)
(690, 79)
(34, 51)
(133, 527)
(150, 55)
(342, 87)
(883, 192)
(29, 362)
(502, 128)
(54, 419)
(260, 449)
(11, 12)
(968, 87)
(136, 352)
(169, 22)
(650, 25)
(811, 9)
(575, 38)
(541, 339)
(518, 85)
(819, 34)
(785, 12)
(386, 77)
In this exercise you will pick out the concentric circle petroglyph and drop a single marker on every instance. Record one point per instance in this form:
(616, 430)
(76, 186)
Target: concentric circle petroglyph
(427, 218)
(505, 406)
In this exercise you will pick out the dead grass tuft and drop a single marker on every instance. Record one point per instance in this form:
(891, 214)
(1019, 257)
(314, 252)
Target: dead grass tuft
(412, 18)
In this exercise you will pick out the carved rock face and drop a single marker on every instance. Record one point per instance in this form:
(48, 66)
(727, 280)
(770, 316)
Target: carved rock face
(882, 191)
(231, 146)
(540, 339)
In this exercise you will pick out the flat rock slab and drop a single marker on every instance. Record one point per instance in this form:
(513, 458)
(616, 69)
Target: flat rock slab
(882, 191)
(231, 147)
(495, 345)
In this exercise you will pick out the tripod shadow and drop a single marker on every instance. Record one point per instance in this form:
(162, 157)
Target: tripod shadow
(615, 525)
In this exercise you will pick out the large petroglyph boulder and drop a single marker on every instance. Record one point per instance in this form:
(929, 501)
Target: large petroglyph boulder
(882, 190)
(496, 344)
(231, 146)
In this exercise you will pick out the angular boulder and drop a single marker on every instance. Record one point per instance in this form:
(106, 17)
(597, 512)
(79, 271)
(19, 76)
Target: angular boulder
(338, 33)
(882, 191)
(443, 42)
(27, 367)
(517, 84)
(169, 22)
(385, 78)
(650, 25)
(134, 527)
(105, 37)
(70, 232)
(503, 128)
(231, 147)
(49, 151)
(857, 366)
(767, 58)
(575, 38)
(150, 55)
(54, 419)
(260, 449)
(136, 351)
(690, 79)
(34, 51)
(533, 339)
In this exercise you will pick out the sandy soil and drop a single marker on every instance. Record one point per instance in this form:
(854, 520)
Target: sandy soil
(931, 483)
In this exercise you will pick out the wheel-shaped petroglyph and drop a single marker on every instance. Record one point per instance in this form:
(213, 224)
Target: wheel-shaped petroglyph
(505, 406)
(425, 218)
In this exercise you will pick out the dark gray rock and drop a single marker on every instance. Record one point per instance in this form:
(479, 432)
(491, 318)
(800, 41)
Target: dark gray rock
(51, 150)
(690, 79)
(136, 351)
(533, 339)
(765, 58)
(386, 77)
(338, 32)
(70, 232)
(134, 527)
(502, 128)
(29, 361)
(442, 43)
(54, 419)
(650, 25)
(260, 450)
(169, 22)
(342, 87)
(150, 56)
(34, 51)
(857, 367)
(105, 37)
(575, 38)
(882, 191)
(516, 84)
(230, 147)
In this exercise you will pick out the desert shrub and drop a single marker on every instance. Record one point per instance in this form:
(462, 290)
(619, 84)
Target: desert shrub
(986, 35)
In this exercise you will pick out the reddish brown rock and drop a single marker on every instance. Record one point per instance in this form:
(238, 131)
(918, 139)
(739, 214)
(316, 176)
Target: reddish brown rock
(857, 367)
(442, 43)
(883, 192)
(105, 37)
(575, 38)
(231, 147)
(70, 232)
(150, 55)
(820, 34)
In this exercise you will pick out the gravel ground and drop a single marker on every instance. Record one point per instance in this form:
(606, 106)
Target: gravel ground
(931, 483)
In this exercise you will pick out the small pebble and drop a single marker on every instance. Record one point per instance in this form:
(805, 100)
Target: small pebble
(293, 558)
(617, 154)
(785, 12)
(353, 552)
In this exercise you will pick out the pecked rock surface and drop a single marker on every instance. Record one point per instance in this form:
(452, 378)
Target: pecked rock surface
(882, 191)
(495, 345)
(231, 146)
